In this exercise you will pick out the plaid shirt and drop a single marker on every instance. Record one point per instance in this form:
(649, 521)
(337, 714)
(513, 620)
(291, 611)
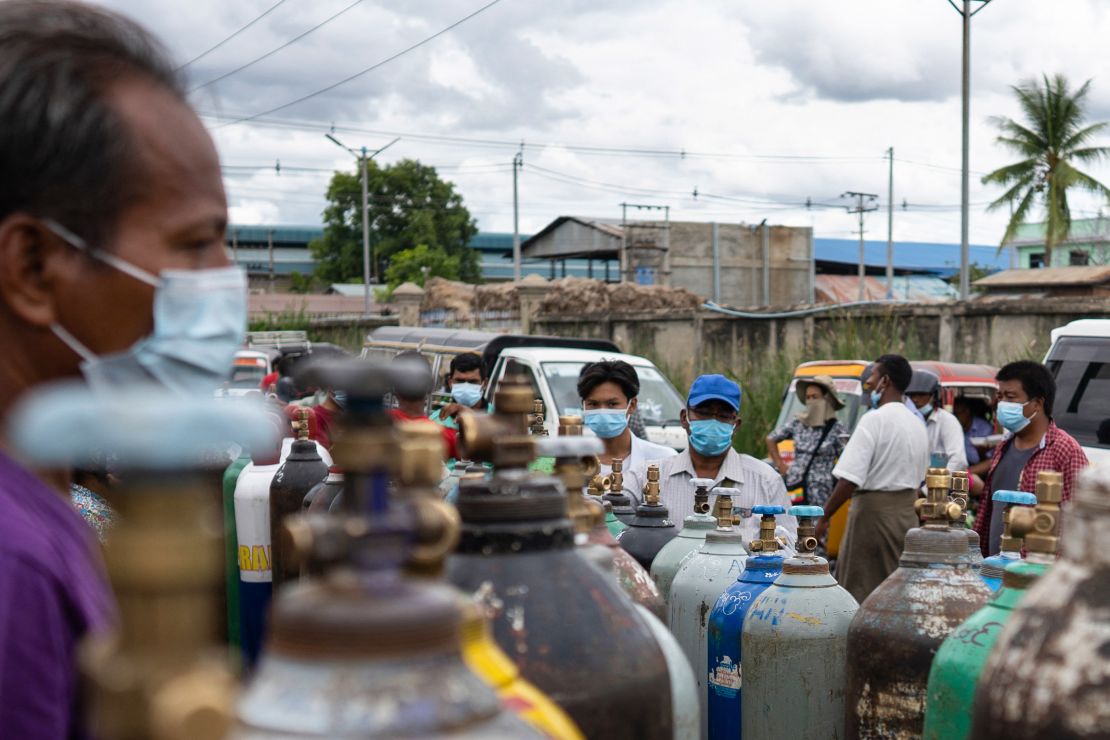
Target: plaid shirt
(1058, 451)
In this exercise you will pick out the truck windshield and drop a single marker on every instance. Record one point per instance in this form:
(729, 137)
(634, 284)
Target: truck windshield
(659, 403)
(1081, 366)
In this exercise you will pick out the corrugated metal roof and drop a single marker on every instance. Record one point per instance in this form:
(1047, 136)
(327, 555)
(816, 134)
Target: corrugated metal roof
(918, 288)
(1086, 275)
(934, 257)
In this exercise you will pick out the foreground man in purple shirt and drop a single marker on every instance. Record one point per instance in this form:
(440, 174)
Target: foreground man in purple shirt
(95, 137)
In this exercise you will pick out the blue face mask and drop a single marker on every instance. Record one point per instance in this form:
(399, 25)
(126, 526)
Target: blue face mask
(606, 423)
(710, 437)
(466, 394)
(200, 319)
(926, 409)
(1011, 416)
(340, 399)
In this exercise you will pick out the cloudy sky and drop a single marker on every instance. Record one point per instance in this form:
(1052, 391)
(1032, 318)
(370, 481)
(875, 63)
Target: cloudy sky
(756, 106)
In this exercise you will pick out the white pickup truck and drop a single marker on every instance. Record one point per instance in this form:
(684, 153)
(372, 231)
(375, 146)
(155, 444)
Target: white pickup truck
(1080, 361)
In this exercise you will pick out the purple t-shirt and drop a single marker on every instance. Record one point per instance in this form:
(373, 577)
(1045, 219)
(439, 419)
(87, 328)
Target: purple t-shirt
(53, 590)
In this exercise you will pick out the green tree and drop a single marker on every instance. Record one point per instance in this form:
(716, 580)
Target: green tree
(418, 264)
(409, 205)
(1053, 139)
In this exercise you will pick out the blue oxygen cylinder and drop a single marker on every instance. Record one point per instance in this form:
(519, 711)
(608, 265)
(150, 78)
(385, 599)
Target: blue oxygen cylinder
(992, 568)
(726, 623)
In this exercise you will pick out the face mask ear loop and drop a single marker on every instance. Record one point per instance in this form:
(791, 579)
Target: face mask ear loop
(107, 258)
(72, 342)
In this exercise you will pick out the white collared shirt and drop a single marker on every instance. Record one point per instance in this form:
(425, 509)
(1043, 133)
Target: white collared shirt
(946, 436)
(888, 451)
(758, 483)
(640, 453)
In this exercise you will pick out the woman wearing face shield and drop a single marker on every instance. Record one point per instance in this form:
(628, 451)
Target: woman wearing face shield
(818, 441)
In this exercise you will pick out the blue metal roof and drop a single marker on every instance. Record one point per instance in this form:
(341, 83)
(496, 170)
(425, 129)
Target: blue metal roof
(940, 259)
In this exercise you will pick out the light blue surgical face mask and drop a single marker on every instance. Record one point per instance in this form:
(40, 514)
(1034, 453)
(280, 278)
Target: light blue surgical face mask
(466, 394)
(606, 423)
(926, 409)
(1011, 415)
(710, 437)
(200, 319)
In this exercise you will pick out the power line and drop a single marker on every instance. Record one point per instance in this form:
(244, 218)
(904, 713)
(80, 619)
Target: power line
(211, 49)
(365, 71)
(270, 53)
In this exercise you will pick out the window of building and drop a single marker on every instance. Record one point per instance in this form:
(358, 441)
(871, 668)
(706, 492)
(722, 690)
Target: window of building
(1079, 257)
(1036, 260)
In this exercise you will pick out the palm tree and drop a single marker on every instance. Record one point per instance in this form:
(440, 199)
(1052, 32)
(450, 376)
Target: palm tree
(1052, 141)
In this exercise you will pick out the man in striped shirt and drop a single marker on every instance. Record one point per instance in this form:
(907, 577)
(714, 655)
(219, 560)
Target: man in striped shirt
(711, 418)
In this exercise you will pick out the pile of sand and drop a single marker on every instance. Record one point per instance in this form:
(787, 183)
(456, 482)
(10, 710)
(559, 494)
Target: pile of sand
(448, 295)
(497, 297)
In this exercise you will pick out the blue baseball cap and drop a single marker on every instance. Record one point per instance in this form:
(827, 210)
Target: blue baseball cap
(714, 387)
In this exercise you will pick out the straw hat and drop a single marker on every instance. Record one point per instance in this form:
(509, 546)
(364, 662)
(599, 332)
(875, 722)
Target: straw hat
(825, 383)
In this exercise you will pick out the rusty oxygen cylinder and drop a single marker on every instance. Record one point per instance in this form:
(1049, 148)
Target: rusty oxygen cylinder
(302, 470)
(960, 493)
(794, 642)
(651, 528)
(961, 658)
(899, 627)
(367, 649)
(575, 457)
(568, 626)
(160, 672)
(1047, 674)
(688, 540)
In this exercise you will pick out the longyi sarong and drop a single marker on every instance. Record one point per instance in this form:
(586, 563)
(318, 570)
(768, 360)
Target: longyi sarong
(874, 538)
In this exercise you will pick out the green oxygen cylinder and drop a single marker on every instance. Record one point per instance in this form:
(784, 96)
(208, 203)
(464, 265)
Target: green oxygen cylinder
(795, 647)
(689, 539)
(231, 549)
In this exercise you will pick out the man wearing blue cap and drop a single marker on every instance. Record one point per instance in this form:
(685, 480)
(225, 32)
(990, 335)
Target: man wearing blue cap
(711, 418)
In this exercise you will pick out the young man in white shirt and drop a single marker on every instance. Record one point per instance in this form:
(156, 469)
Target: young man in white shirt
(711, 418)
(945, 433)
(608, 390)
(881, 468)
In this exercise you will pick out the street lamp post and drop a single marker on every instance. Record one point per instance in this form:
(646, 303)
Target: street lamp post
(966, 13)
(364, 160)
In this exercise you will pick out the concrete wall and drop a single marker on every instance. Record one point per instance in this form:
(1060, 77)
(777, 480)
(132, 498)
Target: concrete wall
(989, 332)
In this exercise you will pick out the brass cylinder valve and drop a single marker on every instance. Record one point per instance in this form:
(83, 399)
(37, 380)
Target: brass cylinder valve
(616, 477)
(503, 437)
(1041, 525)
(722, 508)
(572, 455)
(537, 418)
(651, 488)
(767, 543)
(936, 510)
(701, 494)
(807, 517)
(1018, 511)
(959, 489)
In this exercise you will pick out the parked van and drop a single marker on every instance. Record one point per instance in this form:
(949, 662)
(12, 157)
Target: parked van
(1079, 359)
(552, 365)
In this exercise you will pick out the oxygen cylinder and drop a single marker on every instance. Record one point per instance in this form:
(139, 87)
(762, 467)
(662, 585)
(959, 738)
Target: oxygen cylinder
(631, 576)
(898, 628)
(366, 650)
(651, 528)
(992, 568)
(231, 550)
(490, 663)
(961, 657)
(321, 496)
(302, 469)
(624, 508)
(960, 493)
(795, 642)
(1046, 676)
(726, 624)
(688, 540)
(568, 626)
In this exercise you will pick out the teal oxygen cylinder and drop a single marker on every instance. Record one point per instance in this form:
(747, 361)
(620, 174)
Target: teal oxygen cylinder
(992, 568)
(795, 644)
(726, 623)
(688, 540)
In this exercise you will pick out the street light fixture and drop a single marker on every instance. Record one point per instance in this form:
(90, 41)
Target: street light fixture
(364, 159)
(966, 13)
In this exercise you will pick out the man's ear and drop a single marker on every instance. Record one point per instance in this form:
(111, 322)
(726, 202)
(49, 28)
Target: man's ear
(31, 261)
(632, 406)
(685, 419)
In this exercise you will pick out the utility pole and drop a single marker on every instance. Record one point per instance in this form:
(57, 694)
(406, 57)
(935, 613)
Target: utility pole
(890, 227)
(966, 14)
(518, 163)
(861, 209)
(368, 264)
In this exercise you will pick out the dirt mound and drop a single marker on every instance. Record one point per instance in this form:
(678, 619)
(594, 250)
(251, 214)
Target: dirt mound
(581, 295)
(448, 295)
(576, 296)
(497, 297)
